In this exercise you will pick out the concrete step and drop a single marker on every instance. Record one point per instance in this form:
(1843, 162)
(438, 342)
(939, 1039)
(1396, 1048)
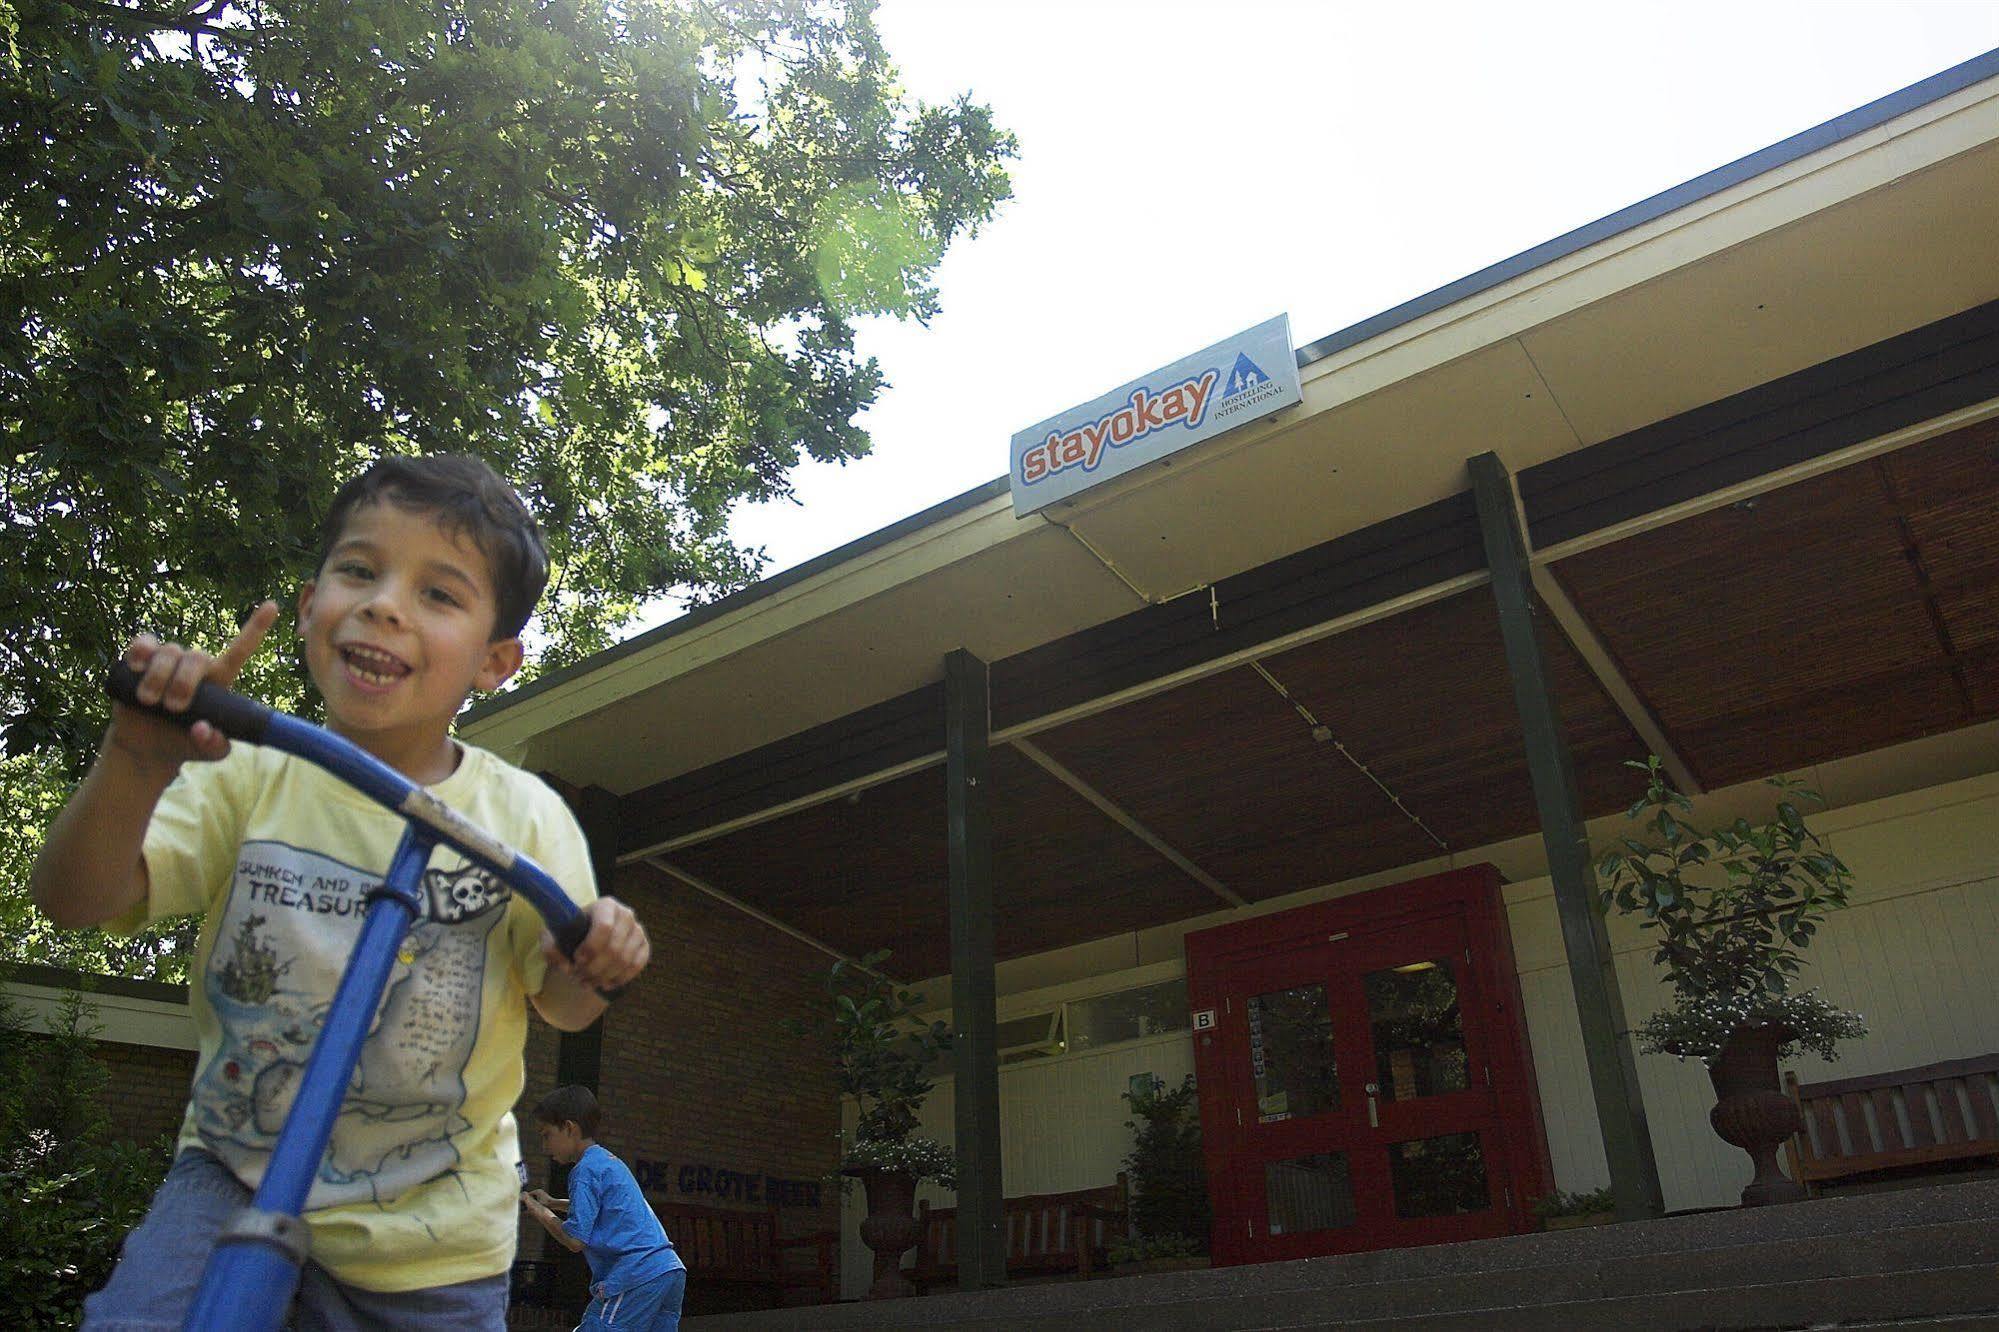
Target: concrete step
(1969, 1291)
(1585, 1281)
(1916, 1253)
(1979, 1322)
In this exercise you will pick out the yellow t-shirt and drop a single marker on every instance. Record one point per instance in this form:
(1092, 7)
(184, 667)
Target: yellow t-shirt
(418, 1186)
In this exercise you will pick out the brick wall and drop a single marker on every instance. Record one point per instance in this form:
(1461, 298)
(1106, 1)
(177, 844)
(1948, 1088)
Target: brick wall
(147, 1091)
(696, 1068)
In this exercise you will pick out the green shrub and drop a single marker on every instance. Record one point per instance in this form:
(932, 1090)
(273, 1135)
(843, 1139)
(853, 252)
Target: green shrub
(1169, 1180)
(1732, 908)
(71, 1192)
(1145, 1248)
(1558, 1203)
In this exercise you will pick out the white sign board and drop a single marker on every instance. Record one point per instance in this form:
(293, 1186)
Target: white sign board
(1238, 380)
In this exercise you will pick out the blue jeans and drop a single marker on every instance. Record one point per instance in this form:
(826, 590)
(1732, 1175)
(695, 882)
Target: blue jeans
(160, 1267)
(653, 1306)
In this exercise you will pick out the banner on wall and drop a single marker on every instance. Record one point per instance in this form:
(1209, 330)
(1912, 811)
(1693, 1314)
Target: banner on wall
(1236, 381)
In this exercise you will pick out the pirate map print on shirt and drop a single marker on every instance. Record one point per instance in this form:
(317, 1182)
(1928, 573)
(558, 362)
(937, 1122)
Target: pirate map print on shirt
(419, 1183)
(289, 923)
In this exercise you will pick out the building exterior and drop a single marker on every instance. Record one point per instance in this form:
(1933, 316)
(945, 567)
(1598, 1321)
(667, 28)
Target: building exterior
(1270, 681)
(1158, 749)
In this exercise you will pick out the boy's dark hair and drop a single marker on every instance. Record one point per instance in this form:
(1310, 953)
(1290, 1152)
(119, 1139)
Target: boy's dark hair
(468, 500)
(569, 1105)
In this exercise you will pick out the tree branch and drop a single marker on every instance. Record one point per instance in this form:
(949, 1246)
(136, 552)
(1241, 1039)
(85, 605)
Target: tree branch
(189, 23)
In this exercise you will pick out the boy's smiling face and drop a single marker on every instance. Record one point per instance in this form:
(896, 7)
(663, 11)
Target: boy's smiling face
(398, 631)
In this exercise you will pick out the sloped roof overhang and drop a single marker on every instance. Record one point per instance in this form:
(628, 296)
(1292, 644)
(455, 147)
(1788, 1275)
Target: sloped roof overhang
(1838, 240)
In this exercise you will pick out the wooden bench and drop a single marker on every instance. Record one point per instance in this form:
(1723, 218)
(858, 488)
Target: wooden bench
(1896, 1121)
(742, 1249)
(732, 1249)
(1047, 1234)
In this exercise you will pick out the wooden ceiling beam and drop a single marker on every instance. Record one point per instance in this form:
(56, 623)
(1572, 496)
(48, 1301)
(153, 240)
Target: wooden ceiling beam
(738, 904)
(1127, 821)
(1597, 656)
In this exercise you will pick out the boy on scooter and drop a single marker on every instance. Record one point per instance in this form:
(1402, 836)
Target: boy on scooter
(429, 569)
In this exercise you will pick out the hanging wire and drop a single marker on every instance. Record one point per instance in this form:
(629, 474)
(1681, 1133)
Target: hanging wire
(1323, 732)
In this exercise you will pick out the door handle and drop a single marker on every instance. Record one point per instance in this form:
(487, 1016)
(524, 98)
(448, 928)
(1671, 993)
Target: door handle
(1373, 1090)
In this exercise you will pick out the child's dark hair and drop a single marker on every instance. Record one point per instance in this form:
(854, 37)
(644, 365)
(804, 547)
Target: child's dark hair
(468, 500)
(569, 1105)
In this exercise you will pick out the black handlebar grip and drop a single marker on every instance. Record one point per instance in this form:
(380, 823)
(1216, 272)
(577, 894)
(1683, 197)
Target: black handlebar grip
(569, 937)
(235, 716)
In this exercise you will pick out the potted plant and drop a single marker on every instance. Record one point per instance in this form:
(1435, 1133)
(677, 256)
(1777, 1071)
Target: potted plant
(882, 1058)
(1566, 1211)
(1170, 1214)
(1733, 906)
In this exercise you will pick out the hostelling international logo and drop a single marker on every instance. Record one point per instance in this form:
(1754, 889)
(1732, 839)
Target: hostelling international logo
(1200, 396)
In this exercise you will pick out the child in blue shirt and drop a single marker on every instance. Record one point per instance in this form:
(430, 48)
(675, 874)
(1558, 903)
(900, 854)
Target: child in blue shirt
(636, 1279)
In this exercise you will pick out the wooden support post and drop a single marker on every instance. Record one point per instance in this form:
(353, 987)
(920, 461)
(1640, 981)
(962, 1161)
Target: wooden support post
(579, 1055)
(975, 1046)
(1613, 1073)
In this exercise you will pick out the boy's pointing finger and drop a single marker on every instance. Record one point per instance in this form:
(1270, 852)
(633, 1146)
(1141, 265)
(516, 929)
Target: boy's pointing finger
(242, 647)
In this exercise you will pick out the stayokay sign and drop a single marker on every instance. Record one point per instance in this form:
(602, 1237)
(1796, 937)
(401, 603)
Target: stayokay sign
(1197, 397)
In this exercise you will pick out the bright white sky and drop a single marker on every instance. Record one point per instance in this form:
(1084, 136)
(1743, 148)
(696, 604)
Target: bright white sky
(1189, 169)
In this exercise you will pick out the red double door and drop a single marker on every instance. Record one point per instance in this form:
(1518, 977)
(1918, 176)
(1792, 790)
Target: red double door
(1363, 1073)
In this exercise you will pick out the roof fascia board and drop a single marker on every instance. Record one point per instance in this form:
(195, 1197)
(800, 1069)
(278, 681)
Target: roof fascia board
(1763, 484)
(119, 1011)
(94, 985)
(1925, 374)
(940, 537)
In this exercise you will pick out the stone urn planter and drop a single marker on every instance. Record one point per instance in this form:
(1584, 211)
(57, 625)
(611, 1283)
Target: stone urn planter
(1751, 1110)
(891, 1228)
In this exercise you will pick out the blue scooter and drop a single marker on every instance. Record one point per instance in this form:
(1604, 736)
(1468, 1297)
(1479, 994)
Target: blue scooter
(253, 1272)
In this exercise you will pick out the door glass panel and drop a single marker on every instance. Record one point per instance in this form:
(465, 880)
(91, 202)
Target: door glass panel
(1309, 1193)
(1291, 1055)
(1419, 1035)
(1439, 1176)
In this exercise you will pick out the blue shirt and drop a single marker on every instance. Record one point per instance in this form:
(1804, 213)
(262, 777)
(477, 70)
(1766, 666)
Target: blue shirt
(621, 1237)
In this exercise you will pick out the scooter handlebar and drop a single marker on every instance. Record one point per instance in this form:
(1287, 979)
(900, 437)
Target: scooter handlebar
(245, 719)
(229, 712)
(226, 711)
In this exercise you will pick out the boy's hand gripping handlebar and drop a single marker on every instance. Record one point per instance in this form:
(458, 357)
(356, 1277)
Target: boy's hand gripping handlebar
(247, 720)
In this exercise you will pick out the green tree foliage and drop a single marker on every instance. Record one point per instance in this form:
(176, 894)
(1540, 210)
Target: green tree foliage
(32, 788)
(618, 250)
(71, 1192)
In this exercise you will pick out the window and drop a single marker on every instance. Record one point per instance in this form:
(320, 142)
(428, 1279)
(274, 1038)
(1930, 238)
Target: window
(1128, 1015)
(1086, 1024)
(1033, 1037)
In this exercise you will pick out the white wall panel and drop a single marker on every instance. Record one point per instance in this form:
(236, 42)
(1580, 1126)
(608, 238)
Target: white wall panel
(1914, 955)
